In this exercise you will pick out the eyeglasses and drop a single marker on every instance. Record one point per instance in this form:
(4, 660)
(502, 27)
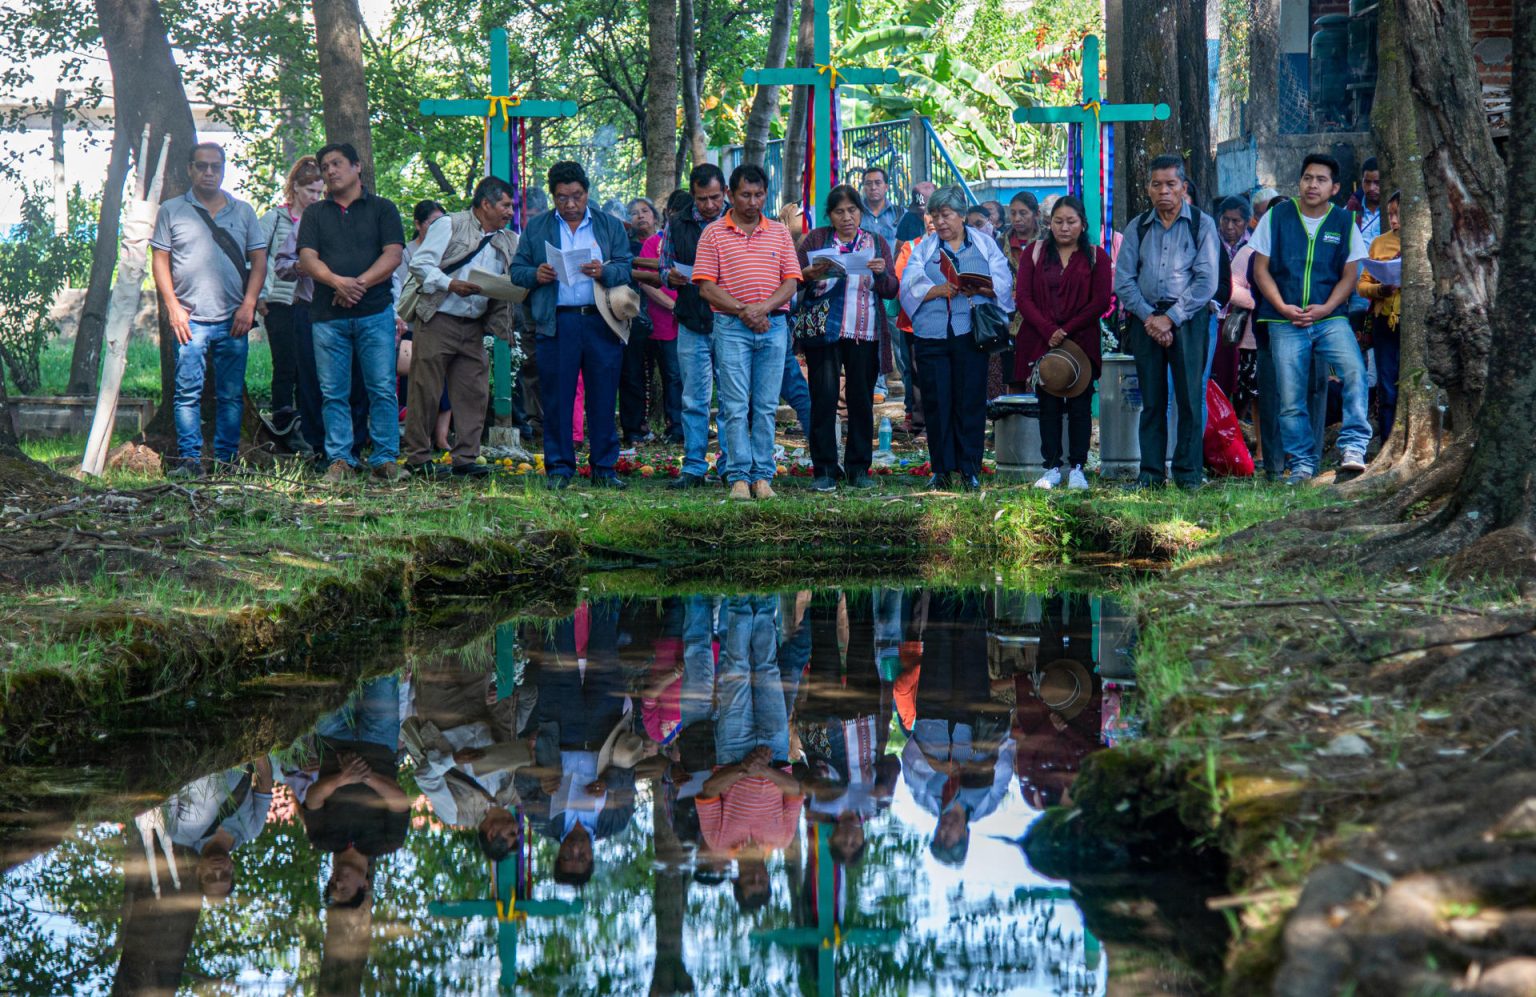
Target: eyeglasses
(208, 167)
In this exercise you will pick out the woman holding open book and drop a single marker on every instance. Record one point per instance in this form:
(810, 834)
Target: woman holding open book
(841, 325)
(945, 280)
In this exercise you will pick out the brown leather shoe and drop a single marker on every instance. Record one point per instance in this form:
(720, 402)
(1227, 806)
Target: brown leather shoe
(740, 492)
(389, 471)
(338, 472)
(762, 490)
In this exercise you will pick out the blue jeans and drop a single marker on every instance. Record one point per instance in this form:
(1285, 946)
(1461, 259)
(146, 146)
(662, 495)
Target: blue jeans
(696, 366)
(698, 659)
(793, 389)
(1269, 411)
(581, 344)
(371, 714)
(750, 368)
(1293, 349)
(1389, 348)
(371, 339)
(751, 708)
(228, 353)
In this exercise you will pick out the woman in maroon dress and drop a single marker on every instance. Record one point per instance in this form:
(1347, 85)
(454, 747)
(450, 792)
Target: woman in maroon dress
(1062, 288)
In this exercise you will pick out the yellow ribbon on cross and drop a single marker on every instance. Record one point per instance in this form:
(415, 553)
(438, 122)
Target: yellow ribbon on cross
(829, 70)
(503, 106)
(1093, 106)
(509, 912)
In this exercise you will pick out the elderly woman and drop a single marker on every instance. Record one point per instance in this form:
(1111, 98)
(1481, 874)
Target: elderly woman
(952, 373)
(850, 351)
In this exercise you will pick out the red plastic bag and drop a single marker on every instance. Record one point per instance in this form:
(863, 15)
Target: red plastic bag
(1225, 452)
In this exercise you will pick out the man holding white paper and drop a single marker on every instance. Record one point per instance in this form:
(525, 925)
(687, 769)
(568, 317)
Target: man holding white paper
(572, 336)
(452, 317)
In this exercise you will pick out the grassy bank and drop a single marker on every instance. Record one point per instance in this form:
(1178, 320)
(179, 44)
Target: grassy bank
(1307, 722)
(141, 377)
(116, 595)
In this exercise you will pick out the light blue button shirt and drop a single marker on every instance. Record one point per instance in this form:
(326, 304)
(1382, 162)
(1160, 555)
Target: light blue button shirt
(581, 292)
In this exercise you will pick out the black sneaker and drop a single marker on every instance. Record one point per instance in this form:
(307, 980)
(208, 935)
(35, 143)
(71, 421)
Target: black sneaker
(471, 471)
(611, 481)
(970, 482)
(683, 481)
(861, 480)
(824, 483)
(557, 482)
(187, 470)
(431, 470)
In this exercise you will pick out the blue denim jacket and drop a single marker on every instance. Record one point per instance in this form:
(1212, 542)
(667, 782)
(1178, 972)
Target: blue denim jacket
(611, 238)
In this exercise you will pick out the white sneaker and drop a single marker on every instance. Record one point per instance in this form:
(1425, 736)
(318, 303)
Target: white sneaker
(1077, 479)
(1354, 460)
(627, 451)
(1050, 479)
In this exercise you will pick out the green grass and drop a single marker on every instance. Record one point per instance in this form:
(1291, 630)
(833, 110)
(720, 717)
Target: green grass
(141, 377)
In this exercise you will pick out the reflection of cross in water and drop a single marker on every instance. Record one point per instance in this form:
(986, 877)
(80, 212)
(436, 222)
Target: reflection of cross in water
(510, 905)
(1091, 946)
(828, 936)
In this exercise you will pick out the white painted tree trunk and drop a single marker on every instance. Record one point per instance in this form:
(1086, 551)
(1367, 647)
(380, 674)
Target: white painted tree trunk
(137, 226)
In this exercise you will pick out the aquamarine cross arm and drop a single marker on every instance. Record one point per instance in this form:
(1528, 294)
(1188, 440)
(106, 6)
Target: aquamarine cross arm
(813, 77)
(1077, 115)
(455, 108)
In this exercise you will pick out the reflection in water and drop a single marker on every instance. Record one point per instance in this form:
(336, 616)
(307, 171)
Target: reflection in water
(819, 791)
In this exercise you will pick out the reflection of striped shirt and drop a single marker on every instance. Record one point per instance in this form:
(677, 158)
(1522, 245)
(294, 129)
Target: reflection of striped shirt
(752, 811)
(747, 266)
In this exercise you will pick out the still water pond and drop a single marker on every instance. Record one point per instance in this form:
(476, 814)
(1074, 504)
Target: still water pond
(816, 792)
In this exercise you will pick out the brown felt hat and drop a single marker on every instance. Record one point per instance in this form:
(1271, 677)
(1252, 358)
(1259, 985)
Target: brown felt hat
(618, 306)
(1064, 686)
(1065, 370)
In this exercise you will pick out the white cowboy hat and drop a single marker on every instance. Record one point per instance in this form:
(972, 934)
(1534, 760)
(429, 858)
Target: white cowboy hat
(619, 306)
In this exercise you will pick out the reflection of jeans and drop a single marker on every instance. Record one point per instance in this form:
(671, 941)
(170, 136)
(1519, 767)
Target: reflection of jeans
(1294, 349)
(228, 352)
(698, 659)
(696, 366)
(371, 714)
(750, 368)
(751, 695)
(372, 340)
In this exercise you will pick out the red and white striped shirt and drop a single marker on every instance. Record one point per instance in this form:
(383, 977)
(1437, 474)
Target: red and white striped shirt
(753, 811)
(747, 266)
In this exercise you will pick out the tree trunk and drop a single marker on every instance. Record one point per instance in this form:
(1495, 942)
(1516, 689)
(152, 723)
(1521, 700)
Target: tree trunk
(1165, 63)
(669, 903)
(1464, 180)
(688, 67)
(661, 102)
(157, 931)
(60, 185)
(7, 420)
(765, 103)
(343, 85)
(147, 89)
(799, 104)
(85, 362)
(1488, 524)
(1411, 446)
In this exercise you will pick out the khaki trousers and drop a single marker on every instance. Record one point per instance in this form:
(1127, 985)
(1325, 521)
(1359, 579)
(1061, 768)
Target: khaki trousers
(448, 350)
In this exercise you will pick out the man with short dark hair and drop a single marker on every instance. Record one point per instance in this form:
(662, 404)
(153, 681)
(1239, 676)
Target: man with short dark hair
(747, 271)
(1165, 276)
(695, 321)
(880, 215)
(452, 319)
(573, 335)
(1366, 204)
(350, 243)
(1306, 264)
(209, 264)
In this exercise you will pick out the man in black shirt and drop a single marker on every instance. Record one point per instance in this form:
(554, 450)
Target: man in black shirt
(350, 243)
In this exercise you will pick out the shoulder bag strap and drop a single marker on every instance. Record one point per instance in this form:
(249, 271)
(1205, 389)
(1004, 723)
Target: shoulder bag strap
(226, 242)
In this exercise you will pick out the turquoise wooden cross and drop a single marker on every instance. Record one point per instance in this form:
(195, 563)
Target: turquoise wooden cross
(823, 78)
(498, 110)
(1092, 114)
(828, 936)
(509, 910)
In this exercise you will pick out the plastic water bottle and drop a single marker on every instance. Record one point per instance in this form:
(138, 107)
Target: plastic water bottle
(885, 437)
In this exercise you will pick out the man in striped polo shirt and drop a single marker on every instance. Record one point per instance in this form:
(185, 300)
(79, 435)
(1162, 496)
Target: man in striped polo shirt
(747, 271)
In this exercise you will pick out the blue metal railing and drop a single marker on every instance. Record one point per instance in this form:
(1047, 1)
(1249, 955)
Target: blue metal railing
(887, 145)
(937, 153)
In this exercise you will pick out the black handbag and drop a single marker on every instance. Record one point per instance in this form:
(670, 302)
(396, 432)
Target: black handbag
(989, 327)
(1234, 324)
